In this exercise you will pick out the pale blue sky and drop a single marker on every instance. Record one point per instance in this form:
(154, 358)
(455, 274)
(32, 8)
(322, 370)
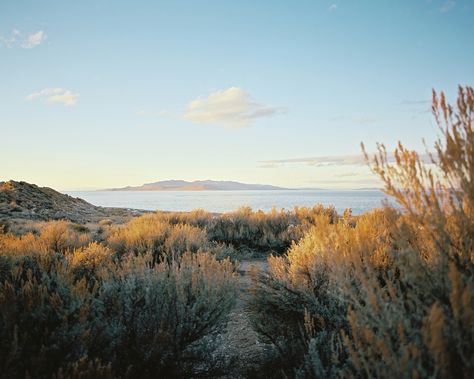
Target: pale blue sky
(100, 94)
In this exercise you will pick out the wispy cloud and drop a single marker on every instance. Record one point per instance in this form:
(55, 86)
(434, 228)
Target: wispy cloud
(357, 182)
(447, 6)
(417, 107)
(11, 40)
(347, 174)
(365, 120)
(34, 40)
(335, 160)
(145, 113)
(55, 95)
(325, 161)
(359, 120)
(232, 107)
(415, 102)
(332, 8)
(16, 39)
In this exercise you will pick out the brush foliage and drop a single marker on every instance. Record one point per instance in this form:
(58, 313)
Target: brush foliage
(389, 293)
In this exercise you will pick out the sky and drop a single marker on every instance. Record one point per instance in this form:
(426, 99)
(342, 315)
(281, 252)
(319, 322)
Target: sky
(101, 94)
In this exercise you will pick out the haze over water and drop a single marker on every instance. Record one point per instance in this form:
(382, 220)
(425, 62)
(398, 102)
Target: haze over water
(224, 201)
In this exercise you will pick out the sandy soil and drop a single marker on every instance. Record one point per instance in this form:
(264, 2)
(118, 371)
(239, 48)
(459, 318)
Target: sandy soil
(239, 346)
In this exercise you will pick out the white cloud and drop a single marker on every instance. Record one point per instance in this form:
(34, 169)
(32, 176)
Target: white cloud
(34, 40)
(17, 40)
(332, 8)
(232, 107)
(55, 95)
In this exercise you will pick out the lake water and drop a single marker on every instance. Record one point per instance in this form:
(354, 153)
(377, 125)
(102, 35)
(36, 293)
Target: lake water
(223, 201)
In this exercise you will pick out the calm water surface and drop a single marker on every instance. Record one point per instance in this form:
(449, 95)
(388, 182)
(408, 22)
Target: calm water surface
(223, 201)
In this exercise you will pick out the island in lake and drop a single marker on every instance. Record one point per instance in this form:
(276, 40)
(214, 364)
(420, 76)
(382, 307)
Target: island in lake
(197, 185)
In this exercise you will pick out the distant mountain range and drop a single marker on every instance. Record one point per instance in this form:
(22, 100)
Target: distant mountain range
(198, 185)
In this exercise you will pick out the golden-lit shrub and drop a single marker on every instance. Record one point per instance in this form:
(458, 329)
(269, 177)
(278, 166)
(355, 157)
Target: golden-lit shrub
(302, 299)
(92, 312)
(22, 245)
(425, 326)
(90, 256)
(197, 217)
(53, 237)
(184, 238)
(139, 236)
(60, 236)
(151, 233)
(385, 295)
(243, 230)
(86, 261)
(274, 230)
(246, 229)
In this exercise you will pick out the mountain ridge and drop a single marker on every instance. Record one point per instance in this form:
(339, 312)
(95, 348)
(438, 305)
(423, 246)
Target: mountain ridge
(197, 185)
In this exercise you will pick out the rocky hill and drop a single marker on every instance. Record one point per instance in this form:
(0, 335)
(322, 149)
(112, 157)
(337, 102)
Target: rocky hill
(21, 200)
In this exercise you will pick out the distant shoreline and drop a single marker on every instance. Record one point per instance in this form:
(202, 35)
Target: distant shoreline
(224, 190)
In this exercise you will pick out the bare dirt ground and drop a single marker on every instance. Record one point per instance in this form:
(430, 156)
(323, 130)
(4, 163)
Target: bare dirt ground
(238, 346)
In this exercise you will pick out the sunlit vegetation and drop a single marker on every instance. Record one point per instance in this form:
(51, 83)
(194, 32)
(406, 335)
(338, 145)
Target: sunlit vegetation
(132, 299)
(391, 293)
(255, 230)
(71, 307)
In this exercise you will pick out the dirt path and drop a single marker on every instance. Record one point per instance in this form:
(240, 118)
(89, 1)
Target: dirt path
(239, 346)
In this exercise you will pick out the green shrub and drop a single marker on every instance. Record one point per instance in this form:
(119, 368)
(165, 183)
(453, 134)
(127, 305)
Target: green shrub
(92, 312)
(158, 312)
(44, 317)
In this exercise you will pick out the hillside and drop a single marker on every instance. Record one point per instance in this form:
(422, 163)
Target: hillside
(198, 185)
(21, 200)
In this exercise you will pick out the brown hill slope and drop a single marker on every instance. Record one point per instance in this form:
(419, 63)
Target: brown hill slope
(21, 200)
